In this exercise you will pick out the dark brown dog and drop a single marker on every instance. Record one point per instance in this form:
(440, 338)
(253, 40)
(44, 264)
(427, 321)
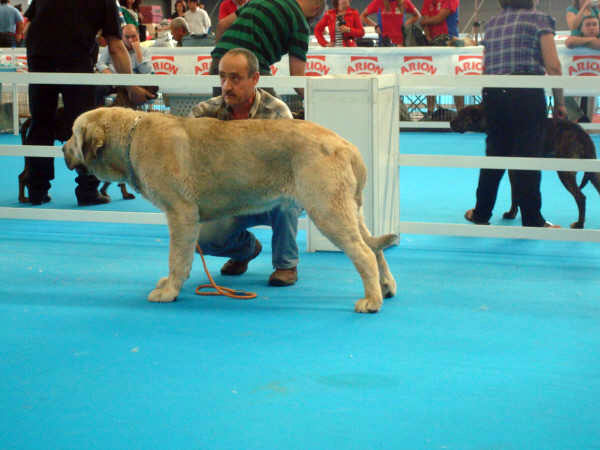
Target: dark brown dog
(62, 133)
(562, 139)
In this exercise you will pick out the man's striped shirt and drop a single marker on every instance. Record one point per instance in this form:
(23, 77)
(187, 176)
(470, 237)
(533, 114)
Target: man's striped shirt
(269, 29)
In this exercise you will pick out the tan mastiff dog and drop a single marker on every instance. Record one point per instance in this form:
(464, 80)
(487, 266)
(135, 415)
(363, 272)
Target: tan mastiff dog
(197, 170)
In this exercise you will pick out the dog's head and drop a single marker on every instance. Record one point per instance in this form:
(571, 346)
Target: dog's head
(470, 118)
(81, 150)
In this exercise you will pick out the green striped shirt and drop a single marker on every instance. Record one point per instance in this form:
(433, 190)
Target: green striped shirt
(269, 29)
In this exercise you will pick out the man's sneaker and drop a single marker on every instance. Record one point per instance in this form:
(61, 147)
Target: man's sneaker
(233, 267)
(550, 225)
(283, 277)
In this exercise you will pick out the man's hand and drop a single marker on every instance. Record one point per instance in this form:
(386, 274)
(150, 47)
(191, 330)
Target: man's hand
(345, 29)
(138, 95)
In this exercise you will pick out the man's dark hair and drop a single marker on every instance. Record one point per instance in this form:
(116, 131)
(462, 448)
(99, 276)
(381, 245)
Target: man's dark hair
(2, 2)
(251, 59)
(135, 6)
(516, 4)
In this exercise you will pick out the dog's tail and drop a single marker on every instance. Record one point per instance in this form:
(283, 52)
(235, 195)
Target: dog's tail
(378, 243)
(593, 177)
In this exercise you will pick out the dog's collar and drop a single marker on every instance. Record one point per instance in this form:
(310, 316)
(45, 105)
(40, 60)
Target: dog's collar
(133, 178)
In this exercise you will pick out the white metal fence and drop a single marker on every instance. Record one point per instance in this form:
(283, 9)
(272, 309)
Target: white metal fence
(408, 85)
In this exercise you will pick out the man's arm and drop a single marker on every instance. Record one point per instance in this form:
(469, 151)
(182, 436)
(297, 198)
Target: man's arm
(145, 64)
(207, 22)
(118, 54)
(223, 24)
(438, 18)
(19, 30)
(297, 69)
(579, 41)
(553, 67)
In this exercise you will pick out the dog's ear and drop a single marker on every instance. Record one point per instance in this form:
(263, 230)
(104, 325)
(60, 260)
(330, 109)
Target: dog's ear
(92, 140)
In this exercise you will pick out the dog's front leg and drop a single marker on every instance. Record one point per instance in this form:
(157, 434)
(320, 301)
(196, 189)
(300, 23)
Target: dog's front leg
(183, 235)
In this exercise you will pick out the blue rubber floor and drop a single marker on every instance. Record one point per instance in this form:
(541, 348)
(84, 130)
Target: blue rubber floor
(489, 343)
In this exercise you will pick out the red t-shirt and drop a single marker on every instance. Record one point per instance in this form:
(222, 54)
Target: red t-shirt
(432, 8)
(392, 19)
(227, 7)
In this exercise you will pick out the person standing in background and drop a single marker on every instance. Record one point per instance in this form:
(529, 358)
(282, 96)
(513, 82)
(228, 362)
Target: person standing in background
(180, 9)
(197, 19)
(343, 24)
(440, 22)
(11, 25)
(391, 18)
(518, 41)
(581, 108)
(61, 38)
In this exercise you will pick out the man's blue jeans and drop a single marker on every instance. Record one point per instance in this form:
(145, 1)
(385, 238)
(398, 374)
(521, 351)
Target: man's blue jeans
(229, 237)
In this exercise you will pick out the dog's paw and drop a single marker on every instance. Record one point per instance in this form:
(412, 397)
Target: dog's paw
(365, 305)
(164, 295)
(388, 288)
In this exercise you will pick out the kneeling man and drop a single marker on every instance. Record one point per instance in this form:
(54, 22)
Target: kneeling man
(241, 99)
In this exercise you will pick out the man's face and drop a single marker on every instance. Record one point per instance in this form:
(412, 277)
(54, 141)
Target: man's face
(238, 87)
(590, 27)
(193, 6)
(130, 35)
(177, 33)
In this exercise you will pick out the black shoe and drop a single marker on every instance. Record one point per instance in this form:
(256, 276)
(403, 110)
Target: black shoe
(99, 199)
(37, 199)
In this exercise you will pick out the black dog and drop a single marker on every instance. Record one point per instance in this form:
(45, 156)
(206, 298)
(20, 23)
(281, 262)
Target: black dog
(62, 133)
(562, 139)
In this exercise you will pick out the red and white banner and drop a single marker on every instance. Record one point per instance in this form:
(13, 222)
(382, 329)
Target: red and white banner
(322, 61)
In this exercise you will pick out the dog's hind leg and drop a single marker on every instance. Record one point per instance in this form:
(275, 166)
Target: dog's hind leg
(340, 224)
(22, 185)
(570, 182)
(386, 279)
(594, 177)
(183, 235)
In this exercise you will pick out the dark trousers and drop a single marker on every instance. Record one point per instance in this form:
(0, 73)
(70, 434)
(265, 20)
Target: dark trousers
(7, 40)
(43, 101)
(515, 120)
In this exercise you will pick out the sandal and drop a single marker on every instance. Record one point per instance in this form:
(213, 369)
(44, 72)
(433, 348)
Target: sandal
(470, 216)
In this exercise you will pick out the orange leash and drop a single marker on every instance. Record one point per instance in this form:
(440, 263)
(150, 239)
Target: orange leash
(220, 290)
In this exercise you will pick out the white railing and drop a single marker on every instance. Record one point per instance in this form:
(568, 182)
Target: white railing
(407, 85)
